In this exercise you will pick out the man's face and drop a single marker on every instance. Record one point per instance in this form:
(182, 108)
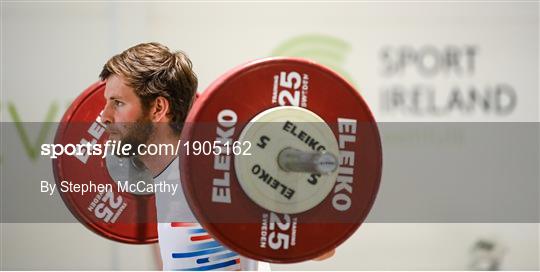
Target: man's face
(124, 115)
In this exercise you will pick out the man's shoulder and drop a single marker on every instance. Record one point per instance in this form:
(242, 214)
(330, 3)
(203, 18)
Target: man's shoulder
(172, 171)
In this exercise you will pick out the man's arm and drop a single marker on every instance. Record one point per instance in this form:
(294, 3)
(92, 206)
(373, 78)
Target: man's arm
(326, 255)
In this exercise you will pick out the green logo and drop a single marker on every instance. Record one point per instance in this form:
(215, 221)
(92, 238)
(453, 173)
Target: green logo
(326, 50)
(32, 146)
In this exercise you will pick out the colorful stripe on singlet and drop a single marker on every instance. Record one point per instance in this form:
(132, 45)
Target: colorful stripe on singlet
(210, 254)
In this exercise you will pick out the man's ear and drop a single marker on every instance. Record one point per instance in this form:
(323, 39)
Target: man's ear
(159, 110)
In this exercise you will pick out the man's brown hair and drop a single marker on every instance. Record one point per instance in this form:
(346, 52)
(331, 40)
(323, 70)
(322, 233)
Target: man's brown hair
(152, 70)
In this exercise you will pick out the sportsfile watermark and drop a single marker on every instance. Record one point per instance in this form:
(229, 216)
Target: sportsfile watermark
(432, 172)
(140, 187)
(117, 148)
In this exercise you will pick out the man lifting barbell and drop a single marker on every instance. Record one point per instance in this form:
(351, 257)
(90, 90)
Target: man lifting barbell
(306, 187)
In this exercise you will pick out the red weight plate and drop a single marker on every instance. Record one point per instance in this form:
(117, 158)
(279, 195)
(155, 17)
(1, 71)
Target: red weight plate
(120, 216)
(239, 223)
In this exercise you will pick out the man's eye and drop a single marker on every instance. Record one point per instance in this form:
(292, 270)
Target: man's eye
(118, 103)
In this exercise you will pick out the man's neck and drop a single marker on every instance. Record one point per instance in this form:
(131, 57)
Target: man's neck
(157, 163)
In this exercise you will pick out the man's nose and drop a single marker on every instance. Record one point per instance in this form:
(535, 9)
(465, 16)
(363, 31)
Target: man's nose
(107, 116)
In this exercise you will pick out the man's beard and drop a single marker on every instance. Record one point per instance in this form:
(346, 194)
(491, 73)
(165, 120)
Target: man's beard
(137, 134)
